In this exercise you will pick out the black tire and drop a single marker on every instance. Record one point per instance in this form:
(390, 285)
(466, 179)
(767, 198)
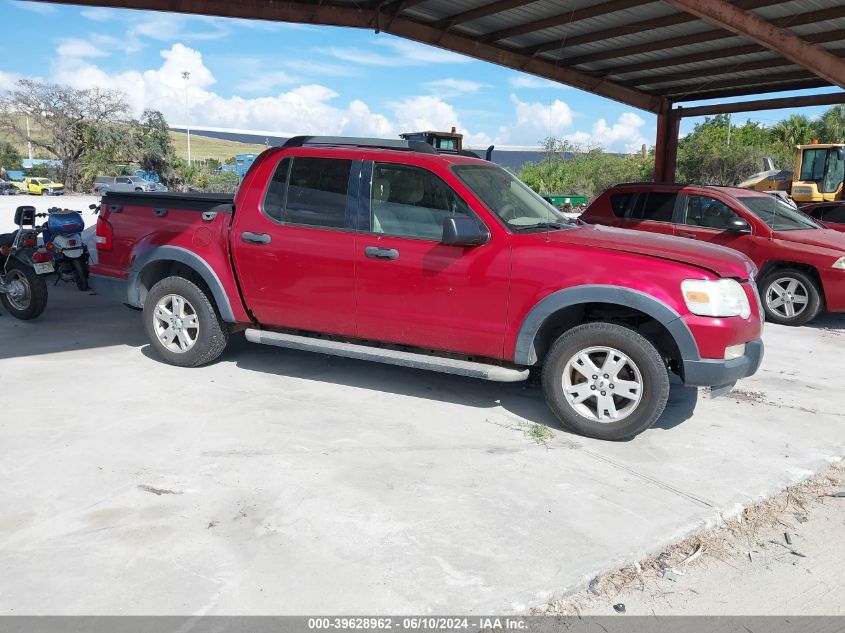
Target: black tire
(642, 356)
(138, 190)
(211, 336)
(807, 289)
(80, 275)
(37, 291)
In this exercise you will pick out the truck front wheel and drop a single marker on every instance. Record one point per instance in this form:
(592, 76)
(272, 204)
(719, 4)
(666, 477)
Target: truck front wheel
(182, 323)
(605, 380)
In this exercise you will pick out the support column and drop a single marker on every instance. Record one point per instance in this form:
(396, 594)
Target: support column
(666, 144)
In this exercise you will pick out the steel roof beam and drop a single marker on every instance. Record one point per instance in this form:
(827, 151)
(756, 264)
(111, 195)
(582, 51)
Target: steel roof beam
(747, 25)
(806, 101)
(479, 12)
(740, 67)
(808, 17)
(672, 19)
(693, 58)
(563, 19)
(805, 84)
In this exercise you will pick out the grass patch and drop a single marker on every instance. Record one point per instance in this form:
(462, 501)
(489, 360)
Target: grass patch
(539, 433)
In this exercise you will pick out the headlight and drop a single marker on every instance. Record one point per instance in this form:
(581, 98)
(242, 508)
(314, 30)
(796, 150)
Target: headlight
(716, 298)
(839, 263)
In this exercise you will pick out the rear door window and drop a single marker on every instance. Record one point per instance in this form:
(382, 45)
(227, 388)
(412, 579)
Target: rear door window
(317, 189)
(657, 206)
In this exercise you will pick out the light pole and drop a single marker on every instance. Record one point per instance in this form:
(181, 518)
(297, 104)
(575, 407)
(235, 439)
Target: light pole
(186, 75)
(28, 139)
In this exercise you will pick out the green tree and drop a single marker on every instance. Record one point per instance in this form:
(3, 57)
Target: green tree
(10, 157)
(586, 173)
(832, 125)
(796, 129)
(706, 156)
(155, 147)
(64, 119)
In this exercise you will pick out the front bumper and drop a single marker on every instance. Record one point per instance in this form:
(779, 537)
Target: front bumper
(711, 372)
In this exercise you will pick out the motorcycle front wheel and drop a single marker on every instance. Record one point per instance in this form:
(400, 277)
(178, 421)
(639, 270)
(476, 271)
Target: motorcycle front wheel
(26, 292)
(80, 275)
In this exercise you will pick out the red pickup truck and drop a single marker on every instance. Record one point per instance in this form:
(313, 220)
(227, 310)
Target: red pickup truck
(389, 251)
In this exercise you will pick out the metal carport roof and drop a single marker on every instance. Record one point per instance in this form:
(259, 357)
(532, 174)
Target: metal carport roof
(645, 53)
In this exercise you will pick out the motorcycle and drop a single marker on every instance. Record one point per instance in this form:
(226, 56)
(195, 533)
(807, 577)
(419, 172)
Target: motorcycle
(62, 235)
(23, 265)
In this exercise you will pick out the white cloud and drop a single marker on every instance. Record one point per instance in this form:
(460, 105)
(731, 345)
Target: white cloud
(76, 48)
(307, 109)
(268, 80)
(534, 121)
(400, 53)
(99, 14)
(416, 114)
(453, 87)
(626, 134)
(530, 81)
(8, 81)
(42, 8)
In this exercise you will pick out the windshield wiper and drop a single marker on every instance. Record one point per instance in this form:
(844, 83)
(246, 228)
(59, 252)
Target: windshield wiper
(539, 225)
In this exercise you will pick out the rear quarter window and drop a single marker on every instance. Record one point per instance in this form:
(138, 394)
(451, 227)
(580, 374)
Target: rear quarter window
(657, 206)
(620, 203)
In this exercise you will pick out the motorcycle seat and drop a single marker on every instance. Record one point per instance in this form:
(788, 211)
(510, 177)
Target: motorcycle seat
(6, 239)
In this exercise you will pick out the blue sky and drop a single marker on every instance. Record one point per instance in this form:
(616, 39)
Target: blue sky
(290, 78)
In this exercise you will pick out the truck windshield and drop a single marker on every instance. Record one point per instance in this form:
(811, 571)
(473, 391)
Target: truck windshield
(777, 214)
(514, 202)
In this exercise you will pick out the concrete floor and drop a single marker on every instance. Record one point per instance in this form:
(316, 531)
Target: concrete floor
(281, 482)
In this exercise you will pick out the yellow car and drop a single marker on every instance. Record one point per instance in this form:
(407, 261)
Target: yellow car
(43, 186)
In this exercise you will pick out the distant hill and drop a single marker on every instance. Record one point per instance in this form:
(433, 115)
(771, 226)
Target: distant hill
(204, 147)
(513, 159)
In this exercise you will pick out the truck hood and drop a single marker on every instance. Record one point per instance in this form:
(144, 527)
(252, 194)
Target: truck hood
(724, 262)
(823, 238)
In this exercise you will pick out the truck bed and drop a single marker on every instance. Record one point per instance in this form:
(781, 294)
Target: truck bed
(169, 200)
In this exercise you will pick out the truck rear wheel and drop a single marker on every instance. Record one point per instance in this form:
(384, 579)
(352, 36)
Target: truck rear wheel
(605, 381)
(183, 324)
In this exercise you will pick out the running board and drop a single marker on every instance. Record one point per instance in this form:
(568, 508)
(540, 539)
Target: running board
(391, 357)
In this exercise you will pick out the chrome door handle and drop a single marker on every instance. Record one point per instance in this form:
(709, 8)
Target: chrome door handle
(378, 252)
(255, 238)
(691, 236)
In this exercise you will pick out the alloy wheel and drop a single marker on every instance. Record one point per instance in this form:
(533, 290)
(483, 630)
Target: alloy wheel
(602, 384)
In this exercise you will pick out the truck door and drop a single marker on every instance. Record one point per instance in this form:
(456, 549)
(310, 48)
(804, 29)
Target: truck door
(293, 246)
(411, 289)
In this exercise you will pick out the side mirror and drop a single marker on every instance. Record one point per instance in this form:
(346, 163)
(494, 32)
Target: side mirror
(463, 231)
(738, 225)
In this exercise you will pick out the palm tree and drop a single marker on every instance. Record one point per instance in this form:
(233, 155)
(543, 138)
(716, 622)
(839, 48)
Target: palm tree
(833, 125)
(796, 129)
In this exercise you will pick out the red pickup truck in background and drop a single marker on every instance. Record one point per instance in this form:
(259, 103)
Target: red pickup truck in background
(388, 251)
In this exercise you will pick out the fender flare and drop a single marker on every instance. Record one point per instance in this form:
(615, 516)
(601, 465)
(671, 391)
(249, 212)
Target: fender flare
(192, 261)
(526, 354)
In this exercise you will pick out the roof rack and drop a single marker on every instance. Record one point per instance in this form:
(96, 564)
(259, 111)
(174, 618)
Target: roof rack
(352, 141)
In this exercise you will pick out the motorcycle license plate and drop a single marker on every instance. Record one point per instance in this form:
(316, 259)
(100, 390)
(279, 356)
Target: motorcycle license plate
(42, 268)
